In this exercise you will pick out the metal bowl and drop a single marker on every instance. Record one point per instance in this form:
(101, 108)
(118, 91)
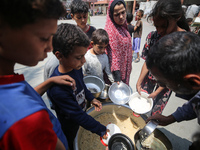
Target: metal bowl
(104, 93)
(119, 94)
(94, 84)
(140, 104)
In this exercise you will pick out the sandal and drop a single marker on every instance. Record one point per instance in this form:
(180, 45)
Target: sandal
(137, 60)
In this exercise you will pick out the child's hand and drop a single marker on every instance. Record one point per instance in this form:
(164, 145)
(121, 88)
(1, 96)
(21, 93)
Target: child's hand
(64, 80)
(139, 88)
(105, 136)
(97, 104)
(152, 95)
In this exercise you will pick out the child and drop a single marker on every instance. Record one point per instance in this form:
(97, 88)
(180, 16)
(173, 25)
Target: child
(26, 36)
(79, 13)
(189, 21)
(163, 13)
(70, 45)
(137, 35)
(96, 58)
(129, 19)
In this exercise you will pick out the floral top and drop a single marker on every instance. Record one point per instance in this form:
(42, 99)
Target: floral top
(151, 39)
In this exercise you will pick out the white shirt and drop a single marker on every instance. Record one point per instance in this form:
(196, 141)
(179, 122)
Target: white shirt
(95, 64)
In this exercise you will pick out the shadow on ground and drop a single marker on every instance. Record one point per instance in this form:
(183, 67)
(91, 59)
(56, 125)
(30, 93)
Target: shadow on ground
(177, 142)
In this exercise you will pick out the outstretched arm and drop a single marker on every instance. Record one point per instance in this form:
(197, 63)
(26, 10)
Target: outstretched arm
(156, 92)
(162, 120)
(63, 80)
(143, 73)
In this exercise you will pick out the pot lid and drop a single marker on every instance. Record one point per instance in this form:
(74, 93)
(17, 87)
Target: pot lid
(120, 141)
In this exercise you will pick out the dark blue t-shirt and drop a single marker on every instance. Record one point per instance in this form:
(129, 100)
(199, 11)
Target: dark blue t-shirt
(72, 104)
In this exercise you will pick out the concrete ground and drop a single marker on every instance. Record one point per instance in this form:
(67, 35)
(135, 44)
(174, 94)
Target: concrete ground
(178, 133)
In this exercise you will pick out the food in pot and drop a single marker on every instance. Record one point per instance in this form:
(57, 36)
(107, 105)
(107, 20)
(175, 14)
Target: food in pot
(91, 141)
(140, 104)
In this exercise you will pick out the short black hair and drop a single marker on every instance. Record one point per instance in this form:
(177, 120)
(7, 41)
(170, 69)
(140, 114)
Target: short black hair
(67, 37)
(100, 36)
(189, 20)
(141, 11)
(17, 13)
(129, 17)
(79, 6)
(176, 55)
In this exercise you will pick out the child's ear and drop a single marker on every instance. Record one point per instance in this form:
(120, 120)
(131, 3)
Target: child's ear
(91, 42)
(58, 55)
(72, 16)
(193, 80)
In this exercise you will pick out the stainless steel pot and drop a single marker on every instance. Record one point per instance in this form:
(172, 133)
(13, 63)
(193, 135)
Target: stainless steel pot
(118, 109)
(94, 84)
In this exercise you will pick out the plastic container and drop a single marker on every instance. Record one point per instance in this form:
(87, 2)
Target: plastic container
(140, 104)
(114, 129)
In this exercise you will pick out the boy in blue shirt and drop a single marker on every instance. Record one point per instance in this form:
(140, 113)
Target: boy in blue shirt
(79, 13)
(70, 45)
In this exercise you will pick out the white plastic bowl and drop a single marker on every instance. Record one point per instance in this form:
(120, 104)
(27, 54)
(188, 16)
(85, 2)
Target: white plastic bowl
(140, 104)
(114, 129)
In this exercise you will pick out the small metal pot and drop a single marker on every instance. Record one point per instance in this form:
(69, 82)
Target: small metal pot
(104, 94)
(94, 84)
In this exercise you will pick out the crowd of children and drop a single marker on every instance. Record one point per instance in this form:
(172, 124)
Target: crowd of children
(82, 50)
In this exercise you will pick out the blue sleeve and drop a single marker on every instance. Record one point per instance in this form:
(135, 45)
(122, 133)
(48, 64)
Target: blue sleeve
(186, 112)
(67, 103)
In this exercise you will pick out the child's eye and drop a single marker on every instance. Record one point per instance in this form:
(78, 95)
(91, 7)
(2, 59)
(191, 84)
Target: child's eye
(78, 58)
(45, 39)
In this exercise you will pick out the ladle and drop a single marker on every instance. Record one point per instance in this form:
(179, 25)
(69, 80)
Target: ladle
(144, 133)
(147, 130)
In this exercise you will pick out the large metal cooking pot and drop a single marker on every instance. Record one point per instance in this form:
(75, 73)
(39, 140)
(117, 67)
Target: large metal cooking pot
(118, 109)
